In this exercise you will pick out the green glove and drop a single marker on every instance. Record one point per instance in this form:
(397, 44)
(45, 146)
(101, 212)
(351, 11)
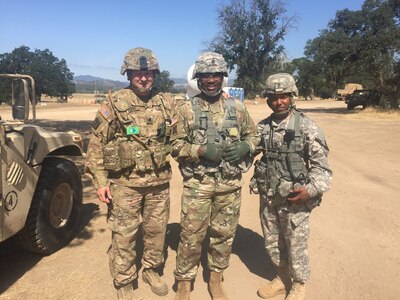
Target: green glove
(210, 152)
(235, 151)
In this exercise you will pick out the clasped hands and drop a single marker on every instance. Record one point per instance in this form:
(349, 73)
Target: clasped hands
(230, 152)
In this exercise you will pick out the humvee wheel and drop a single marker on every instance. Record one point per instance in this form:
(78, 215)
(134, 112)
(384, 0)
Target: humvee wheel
(55, 209)
(61, 204)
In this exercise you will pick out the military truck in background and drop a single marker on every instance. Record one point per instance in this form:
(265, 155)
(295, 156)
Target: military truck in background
(365, 98)
(349, 89)
(41, 187)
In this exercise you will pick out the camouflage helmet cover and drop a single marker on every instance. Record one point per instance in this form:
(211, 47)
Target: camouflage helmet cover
(210, 62)
(140, 59)
(281, 83)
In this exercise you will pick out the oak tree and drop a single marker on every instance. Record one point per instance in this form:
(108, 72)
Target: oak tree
(52, 75)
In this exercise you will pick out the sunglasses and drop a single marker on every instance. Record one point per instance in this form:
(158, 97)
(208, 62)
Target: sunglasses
(210, 75)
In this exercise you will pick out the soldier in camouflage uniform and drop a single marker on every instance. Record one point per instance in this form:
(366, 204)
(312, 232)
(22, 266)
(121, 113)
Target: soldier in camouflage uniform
(291, 177)
(214, 141)
(128, 159)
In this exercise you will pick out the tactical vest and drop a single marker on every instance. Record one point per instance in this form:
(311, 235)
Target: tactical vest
(205, 131)
(132, 150)
(285, 163)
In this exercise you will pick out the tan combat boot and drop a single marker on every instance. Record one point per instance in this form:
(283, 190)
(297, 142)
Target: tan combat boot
(271, 288)
(183, 290)
(157, 285)
(297, 292)
(126, 292)
(215, 286)
(277, 286)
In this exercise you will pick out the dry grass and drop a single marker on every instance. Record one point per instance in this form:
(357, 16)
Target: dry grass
(378, 113)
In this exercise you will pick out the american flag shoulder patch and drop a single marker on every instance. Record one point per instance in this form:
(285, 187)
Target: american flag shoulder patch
(105, 112)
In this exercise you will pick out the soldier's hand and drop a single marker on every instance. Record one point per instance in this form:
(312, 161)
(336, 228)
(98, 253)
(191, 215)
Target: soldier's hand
(104, 194)
(235, 151)
(210, 152)
(299, 195)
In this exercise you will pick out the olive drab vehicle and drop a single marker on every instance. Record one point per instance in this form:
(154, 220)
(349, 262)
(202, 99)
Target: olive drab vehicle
(41, 187)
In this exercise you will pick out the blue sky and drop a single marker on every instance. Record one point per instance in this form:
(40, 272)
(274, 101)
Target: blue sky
(93, 36)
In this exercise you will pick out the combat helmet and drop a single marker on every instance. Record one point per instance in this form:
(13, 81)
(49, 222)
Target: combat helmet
(281, 83)
(210, 62)
(140, 59)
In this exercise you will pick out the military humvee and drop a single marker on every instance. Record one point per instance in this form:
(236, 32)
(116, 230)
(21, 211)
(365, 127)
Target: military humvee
(41, 187)
(349, 89)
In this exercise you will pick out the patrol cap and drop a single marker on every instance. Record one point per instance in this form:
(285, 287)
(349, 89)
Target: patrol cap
(280, 83)
(210, 62)
(140, 59)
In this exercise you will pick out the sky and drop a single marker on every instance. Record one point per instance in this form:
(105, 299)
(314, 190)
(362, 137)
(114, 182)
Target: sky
(93, 36)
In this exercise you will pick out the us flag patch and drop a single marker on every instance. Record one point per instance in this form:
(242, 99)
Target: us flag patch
(104, 111)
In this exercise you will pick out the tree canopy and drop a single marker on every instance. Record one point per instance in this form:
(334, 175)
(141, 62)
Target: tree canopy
(52, 75)
(357, 46)
(249, 39)
(163, 83)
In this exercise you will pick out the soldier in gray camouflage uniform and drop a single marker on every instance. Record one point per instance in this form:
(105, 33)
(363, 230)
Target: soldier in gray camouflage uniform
(291, 177)
(128, 159)
(213, 143)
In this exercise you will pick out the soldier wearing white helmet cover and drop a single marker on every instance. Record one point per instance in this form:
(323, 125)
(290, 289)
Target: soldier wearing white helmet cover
(291, 177)
(128, 159)
(215, 139)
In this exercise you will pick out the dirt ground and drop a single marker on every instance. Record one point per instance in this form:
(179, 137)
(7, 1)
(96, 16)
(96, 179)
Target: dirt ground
(355, 233)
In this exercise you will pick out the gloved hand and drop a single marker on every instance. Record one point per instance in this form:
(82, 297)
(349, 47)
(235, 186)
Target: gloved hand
(210, 152)
(235, 151)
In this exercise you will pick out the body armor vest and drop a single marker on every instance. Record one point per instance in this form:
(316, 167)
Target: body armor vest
(285, 163)
(205, 131)
(141, 143)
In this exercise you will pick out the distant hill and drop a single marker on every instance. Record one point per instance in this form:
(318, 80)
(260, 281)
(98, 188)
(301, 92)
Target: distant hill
(179, 81)
(92, 84)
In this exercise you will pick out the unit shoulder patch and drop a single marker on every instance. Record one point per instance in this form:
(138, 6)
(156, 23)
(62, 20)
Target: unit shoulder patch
(96, 123)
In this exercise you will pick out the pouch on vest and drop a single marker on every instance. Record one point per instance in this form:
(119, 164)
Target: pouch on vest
(111, 157)
(143, 161)
(125, 155)
(161, 158)
(259, 181)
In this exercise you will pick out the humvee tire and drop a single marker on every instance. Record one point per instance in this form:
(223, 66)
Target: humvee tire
(54, 214)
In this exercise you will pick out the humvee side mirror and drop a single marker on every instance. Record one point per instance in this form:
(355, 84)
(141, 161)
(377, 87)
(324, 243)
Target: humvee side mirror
(20, 99)
(23, 96)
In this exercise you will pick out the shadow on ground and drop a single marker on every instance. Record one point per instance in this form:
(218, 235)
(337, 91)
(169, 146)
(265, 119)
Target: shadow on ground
(248, 246)
(331, 110)
(15, 262)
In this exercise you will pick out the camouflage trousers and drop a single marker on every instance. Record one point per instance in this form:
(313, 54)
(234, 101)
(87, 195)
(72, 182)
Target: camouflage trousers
(286, 231)
(202, 209)
(128, 205)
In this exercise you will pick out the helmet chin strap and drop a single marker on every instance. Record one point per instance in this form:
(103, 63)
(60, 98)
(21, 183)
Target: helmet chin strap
(290, 108)
(208, 94)
(142, 90)
(211, 95)
(282, 112)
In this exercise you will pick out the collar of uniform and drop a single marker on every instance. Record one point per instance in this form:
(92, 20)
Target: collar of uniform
(207, 106)
(281, 123)
(136, 101)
